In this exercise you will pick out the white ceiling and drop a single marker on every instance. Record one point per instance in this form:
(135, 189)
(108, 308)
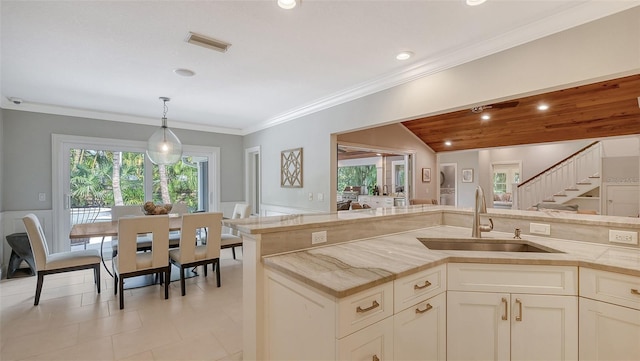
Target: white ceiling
(113, 59)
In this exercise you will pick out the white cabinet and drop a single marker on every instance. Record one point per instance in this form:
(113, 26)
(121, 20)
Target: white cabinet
(376, 201)
(303, 323)
(373, 343)
(420, 320)
(609, 316)
(507, 325)
(420, 331)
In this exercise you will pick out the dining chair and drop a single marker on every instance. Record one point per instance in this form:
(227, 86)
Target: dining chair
(130, 263)
(232, 239)
(178, 208)
(189, 254)
(117, 212)
(50, 263)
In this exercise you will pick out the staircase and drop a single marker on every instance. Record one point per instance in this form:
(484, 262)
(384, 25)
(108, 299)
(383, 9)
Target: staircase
(564, 181)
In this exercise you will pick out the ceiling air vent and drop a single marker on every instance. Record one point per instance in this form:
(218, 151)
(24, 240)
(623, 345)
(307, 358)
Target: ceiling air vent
(207, 42)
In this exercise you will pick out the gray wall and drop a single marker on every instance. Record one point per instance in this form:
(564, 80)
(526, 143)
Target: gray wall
(605, 48)
(464, 160)
(1, 163)
(26, 144)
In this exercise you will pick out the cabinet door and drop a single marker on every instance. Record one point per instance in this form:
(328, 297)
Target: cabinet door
(544, 327)
(420, 331)
(608, 332)
(373, 343)
(478, 326)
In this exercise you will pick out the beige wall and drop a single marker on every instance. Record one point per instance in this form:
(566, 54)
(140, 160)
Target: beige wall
(606, 48)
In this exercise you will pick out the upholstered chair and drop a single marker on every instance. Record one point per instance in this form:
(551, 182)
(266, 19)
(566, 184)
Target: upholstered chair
(49, 263)
(189, 254)
(232, 239)
(117, 212)
(130, 263)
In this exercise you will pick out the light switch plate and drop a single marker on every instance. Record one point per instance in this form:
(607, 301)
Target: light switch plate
(540, 228)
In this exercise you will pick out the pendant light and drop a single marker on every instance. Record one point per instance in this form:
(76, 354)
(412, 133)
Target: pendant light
(163, 147)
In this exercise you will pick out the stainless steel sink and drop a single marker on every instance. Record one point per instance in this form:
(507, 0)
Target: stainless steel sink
(485, 244)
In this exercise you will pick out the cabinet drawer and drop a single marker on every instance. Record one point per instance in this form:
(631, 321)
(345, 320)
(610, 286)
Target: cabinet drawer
(551, 280)
(372, 343)
(362, 309)
(415, 288)
(610, 287)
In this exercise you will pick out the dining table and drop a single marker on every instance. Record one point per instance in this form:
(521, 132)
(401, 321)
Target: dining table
(110, 229)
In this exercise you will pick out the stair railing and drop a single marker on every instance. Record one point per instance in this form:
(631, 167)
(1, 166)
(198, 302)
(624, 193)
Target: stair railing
(561, 176)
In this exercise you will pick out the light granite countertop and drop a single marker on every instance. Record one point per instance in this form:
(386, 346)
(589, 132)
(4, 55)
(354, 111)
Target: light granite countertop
(347, 268)
(257, 225)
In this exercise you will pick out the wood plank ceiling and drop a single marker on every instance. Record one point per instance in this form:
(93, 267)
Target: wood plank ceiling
(604, 109)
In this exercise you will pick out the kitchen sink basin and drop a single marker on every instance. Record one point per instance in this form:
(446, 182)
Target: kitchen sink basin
(484, 244)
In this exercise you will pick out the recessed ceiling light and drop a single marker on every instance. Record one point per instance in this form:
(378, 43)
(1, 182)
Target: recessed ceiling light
(378, 154)
(184, 72)
(543, 107)
(287, 4)
(448, 143)
(485, 117)
(475, 2)
(404, 55)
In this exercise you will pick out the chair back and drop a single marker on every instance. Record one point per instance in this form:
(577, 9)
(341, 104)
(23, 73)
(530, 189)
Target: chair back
(128, 230)
(179, 208)
(212, 224)
(118, 212)
(241, 210)
(37, 240)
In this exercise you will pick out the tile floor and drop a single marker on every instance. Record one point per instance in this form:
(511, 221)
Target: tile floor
(74, 322)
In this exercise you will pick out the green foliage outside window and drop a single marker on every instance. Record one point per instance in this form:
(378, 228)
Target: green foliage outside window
(357, 176)
(92, 173)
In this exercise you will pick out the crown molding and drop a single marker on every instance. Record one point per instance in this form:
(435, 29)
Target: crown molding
(580, 14)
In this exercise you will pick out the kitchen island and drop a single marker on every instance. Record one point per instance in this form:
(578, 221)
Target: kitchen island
(376, 248)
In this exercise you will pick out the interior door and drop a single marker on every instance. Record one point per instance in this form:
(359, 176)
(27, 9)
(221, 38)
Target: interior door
(622, 200)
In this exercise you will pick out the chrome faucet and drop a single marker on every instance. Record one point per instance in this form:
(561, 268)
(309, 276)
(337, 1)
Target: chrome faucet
(480, 207)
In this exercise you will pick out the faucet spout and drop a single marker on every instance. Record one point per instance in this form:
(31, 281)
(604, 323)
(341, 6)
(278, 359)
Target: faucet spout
(480, 207)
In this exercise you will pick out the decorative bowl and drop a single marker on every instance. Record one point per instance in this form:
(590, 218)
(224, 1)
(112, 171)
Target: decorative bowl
(152, 209)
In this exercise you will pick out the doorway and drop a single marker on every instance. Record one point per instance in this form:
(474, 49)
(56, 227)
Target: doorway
(253, 181)
(621, 200)
(448, 180)
(505, 177)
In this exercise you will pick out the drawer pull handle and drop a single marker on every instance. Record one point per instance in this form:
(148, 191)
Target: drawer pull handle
(375, 358)
(506, 309)
(519, 317)
(426, 284)
(373, 305)
(418, 310)
(635, 292)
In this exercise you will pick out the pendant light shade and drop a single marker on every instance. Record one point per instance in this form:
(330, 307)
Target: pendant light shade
(163, 147)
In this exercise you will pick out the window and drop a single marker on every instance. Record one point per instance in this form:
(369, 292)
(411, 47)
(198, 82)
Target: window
(361, 175)
(91, 175)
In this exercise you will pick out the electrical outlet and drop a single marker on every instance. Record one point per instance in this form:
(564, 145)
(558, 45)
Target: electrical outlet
(320, 197)
(310, 196)
(42, 197)
(318, 237)
(540, 228)
(625, 237)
